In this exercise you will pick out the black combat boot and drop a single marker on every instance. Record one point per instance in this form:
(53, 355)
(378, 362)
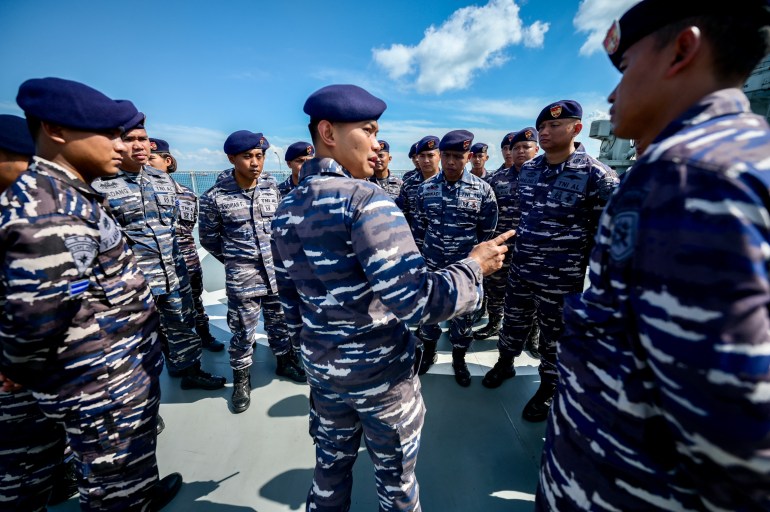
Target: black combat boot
(241, 390)
(489, 330)
(462, 374)
(538, 406)
(428, 357)
(290, 368)
(502, 370)
(164, 491)
(208, 341)
(532, 345)
(160, 426)
(195, 378)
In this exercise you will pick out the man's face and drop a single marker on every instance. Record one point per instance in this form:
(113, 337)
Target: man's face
(94, 155)
(428, 161)
(296, 164)
(507, 155)
(478, 160)
(453, 164)
(415, 162)
(634, 98)
(248, 165)
(383, 161)
(159, 161)
(558, 134)
(523, 151)
(356, 147)
(137, 151)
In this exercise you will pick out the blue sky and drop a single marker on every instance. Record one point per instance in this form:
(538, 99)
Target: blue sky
(202, 70)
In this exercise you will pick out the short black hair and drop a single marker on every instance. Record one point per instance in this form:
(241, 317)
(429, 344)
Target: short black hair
(313, 127)
(738, 42)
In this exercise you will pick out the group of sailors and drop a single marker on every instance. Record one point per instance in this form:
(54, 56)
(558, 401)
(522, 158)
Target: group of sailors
(657, 399)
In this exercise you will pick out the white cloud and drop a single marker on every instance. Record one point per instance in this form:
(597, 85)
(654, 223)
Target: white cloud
(595, 17)
(473, 38)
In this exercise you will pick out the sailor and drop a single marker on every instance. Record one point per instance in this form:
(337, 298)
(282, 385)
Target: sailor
(31, 445)
(235, 217)
(350, 276)
(145, 203)
(390, 183)
(523, 146)
(458, 210)
(428, 162)
(663, 366)
(162, 159)
(296, 155)
(561, 193)
(79, 328)
(506, 147)
(479, 157)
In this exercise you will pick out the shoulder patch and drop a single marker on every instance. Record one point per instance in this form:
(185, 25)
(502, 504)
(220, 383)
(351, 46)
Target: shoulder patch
(624, 232)
(83, 250)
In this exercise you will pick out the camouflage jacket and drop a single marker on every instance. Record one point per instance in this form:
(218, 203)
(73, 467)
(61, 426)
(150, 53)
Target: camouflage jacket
(560, 208)
(455, 217)
(350, 276)
(505, 185)
(391, 185)
(188, 216)
(664, 363)
(286, 186)
(234, 226)
(78, 317)
(407, 201)
(145, 204)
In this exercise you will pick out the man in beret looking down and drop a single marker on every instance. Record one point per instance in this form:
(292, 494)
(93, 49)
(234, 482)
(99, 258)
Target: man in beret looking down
(79, 328)
(382, 175)
(664, 366)
(296, 155)
(235, 218)
(350, 278)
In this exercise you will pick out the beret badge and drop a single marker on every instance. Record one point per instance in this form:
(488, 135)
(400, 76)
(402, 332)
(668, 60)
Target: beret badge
(612, 40)
(556, 111)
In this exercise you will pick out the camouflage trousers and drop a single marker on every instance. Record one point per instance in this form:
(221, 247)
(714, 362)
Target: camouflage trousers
(525, 301)
(460, 331)
(181, 344)
(390, 420)
(494, 287)
(196, 283)
(31, 453)
(243, 317)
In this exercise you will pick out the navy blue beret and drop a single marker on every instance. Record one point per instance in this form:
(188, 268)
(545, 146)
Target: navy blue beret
(343, 103)
(73, 104)
(528, 134)
(479, 147)
(299, 149)
(15, 136)
(507, 140)
(648, 16)
(456, 140)
(384, 146)
(159, 146)
(135, 123)
(413, 150)
(563, 109)
(244, 140)
(427, 143)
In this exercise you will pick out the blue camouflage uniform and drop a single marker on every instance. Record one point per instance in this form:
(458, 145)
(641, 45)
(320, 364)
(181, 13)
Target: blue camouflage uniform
(407, 201)
(235, 227)
(79, 332)
(186, 220)
(350, 278)
(286, 186)
(454, 217)
(391, 185)
(560, 208)
(665, 357)
(145, 204)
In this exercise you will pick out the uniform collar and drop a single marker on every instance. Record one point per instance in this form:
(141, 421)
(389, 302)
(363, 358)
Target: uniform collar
(717, 104)
(63, 175)
(324, 166)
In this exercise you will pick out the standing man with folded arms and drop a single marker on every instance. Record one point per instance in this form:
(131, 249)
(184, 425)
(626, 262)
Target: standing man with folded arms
(350, 277)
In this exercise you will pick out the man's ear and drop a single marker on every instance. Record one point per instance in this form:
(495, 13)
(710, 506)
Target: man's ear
(327, 133)
(231, 158)
(684, 49)
(578, 127)
(54, 132)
